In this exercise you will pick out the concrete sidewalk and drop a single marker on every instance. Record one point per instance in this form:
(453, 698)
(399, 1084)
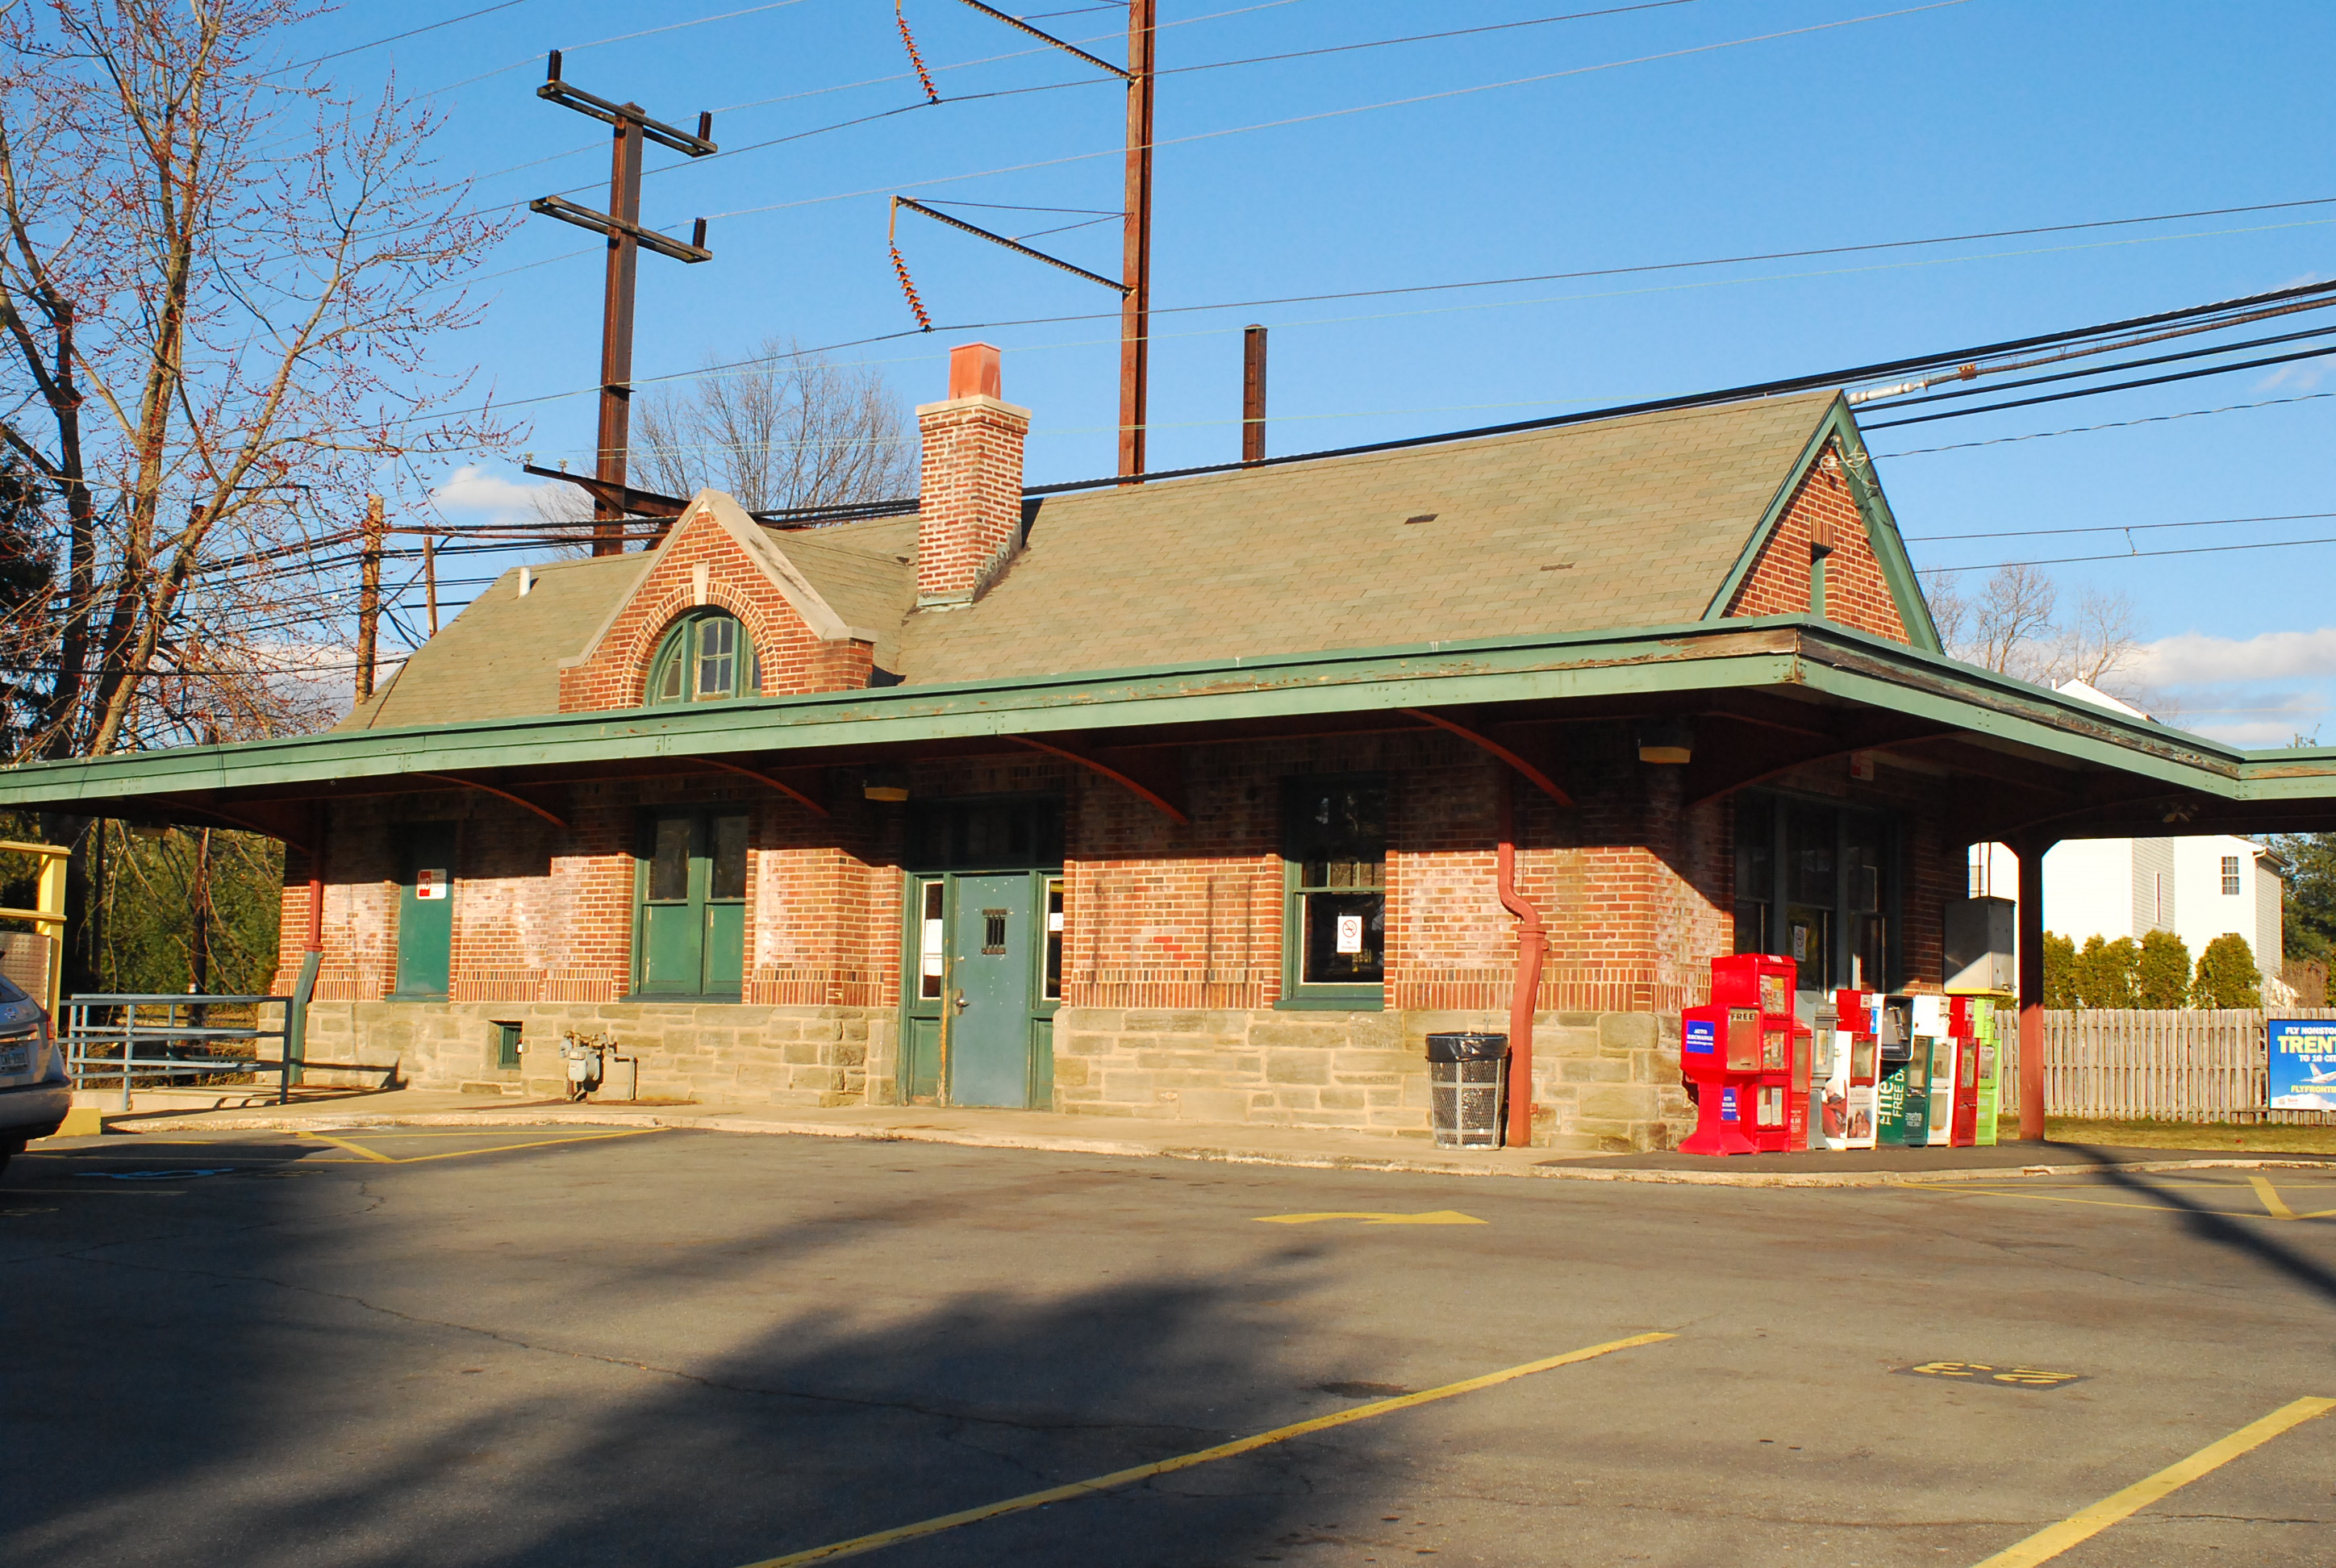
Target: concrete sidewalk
(1309, 1148)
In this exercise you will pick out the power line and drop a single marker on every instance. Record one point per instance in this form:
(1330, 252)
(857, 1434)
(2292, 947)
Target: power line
(1355, 109)
(409, 32)
(2114, 386)
(2113, 425)
(2140, 554)
(2115, 528)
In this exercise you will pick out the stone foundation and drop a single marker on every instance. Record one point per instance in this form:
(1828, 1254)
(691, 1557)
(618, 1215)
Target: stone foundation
(1602, 1081)
(778, 1055)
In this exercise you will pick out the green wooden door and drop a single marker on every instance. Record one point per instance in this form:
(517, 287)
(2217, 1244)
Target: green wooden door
(426, 911)
(692, 930)
(991, 964)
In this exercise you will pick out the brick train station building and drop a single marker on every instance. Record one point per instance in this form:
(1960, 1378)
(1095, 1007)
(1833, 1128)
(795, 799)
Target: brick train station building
(1204, 798)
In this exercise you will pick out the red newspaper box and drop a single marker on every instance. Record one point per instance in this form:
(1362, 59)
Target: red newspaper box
(1719, 1055)
(1965, 1127)
(1739, 1052)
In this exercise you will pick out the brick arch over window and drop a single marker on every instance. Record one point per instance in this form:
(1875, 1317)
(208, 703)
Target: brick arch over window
(639, 656)
(718, 558)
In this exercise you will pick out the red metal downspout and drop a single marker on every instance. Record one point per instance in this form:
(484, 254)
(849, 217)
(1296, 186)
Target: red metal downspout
(1532, 939)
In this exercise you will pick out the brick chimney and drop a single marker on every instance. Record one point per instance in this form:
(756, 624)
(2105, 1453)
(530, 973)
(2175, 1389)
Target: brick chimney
(969, 509)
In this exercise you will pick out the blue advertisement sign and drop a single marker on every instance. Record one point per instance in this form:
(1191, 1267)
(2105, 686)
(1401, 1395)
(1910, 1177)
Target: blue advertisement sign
(1728, 1104)
(1701, 1035)
(2303, 1064)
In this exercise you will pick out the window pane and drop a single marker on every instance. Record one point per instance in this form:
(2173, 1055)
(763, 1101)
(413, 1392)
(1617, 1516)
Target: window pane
(729, 858)
(668, 676)
(1051, 988)
(1809, 850)
(1337, 833)
(718, 656)
(1755, 849)
(932, 934)
(1341, 938)
(1752, 927)
(669, 861)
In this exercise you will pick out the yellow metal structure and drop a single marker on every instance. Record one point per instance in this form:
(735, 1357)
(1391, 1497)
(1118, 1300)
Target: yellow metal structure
(49, 917)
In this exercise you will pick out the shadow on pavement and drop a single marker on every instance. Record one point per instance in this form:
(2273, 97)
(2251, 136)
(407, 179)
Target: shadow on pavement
(280, 1368)
(2246, 1236)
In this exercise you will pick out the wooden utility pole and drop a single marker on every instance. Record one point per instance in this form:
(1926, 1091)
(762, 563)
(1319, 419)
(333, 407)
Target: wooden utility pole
(430, 576)
(369, 595)
(1135, 269)
(622, 225)
(1135, 282)
(1254, 395)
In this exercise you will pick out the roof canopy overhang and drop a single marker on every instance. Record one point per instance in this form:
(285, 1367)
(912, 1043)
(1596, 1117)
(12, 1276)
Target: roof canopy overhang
(1767, 696)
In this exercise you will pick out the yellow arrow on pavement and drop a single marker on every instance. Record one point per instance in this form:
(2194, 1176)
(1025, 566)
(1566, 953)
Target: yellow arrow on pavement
(1433, 1217)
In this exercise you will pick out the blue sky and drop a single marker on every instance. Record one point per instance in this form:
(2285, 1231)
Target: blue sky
(1678, 133)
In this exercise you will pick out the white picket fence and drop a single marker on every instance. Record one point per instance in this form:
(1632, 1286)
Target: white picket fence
(2202, 1065)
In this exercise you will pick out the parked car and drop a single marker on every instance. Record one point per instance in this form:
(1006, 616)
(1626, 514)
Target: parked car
(34, 1091)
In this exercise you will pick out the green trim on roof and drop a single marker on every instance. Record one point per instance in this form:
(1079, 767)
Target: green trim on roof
(1780, 651)
(1838, 423)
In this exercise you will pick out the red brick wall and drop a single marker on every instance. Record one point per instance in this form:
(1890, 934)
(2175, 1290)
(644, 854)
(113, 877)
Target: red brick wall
(1856, 593)
(794, 659)
(1633, 886)
(969, 511)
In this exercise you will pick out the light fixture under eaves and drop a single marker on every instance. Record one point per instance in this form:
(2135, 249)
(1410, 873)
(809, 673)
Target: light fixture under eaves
(1670, 740)
(884, 781)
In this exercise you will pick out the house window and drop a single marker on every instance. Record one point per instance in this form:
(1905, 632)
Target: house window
(1817, 884)
(507, 1046)
(690, 905)
(1334, 858)
(704, 657)
(2230, 876)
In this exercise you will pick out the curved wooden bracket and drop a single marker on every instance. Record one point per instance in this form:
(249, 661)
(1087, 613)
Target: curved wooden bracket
(1097, 765)
(1765, 774)
(1533, 775)
(517, 800)
(760, 777)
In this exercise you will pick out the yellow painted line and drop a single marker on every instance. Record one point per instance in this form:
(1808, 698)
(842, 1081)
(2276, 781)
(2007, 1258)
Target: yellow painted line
(2053, 1540)
(1958, 1190)
(1093, 1485)
(1369, 1217)
(358, 1149)
(537, 1142)
(2272, 1201)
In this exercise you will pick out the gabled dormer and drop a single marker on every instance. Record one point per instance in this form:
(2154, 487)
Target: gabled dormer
(720, 610)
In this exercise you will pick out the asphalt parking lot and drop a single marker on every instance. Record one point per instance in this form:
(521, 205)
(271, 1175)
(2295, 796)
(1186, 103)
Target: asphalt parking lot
(580, 1347)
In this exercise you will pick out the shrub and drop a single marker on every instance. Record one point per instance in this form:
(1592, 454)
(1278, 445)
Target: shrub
(2227, 976)
(2163, 975)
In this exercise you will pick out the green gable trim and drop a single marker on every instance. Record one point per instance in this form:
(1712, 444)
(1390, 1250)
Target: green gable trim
(1882, 534)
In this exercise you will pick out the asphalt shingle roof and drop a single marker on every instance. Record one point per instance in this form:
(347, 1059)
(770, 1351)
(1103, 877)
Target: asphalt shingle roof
(1623, 522)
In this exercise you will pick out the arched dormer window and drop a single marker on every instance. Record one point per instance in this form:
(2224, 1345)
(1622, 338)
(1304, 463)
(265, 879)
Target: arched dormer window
(704, 657)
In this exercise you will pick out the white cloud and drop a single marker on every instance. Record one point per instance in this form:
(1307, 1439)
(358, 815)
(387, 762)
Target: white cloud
(471, 487)
(2192, 657)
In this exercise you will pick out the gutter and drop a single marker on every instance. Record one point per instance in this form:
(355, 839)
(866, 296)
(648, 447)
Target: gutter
(1524, 989)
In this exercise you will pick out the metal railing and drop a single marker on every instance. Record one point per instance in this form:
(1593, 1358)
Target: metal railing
(144, 1038)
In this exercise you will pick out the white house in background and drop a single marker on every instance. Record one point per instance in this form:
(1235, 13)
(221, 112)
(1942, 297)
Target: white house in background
(2198, 887)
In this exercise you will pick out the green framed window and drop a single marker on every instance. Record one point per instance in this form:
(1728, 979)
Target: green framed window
(689, 930)
(705, 657)
(507, 1046)
(1334, 881)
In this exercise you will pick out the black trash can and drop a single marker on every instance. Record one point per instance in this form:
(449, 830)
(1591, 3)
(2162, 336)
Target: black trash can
(1468, 1075)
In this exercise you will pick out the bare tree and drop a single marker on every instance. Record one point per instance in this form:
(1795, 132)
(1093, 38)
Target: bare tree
(790, 429)
(2013, 624)
(217, 289)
